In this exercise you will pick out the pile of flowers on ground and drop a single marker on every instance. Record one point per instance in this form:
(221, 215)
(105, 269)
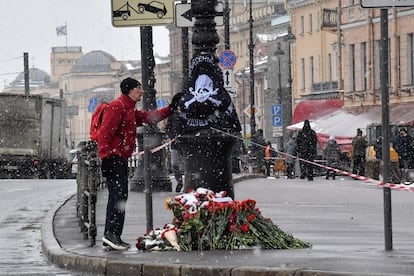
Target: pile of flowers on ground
(205, 220)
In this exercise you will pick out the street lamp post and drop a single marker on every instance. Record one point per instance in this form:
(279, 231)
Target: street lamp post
(251, 49)
(279, 53)
(243, 103)
(207, 152)
(287, 114)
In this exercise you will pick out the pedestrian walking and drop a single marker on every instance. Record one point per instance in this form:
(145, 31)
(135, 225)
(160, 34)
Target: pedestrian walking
(116, 142)
(257, 148)
(306, 145)
(359, 146)
(332, 154)
(268, 156)
(290, 157)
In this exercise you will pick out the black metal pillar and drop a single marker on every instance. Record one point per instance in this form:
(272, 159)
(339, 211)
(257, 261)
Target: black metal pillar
(251, 59)
(385, 128)
(152, 136)
(184, 33)
(226, 18)
(207, 152)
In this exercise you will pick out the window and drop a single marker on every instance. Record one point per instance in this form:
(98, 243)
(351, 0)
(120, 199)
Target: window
(302, 25)
(318, 21)
(410, 59)
(363, 66)
(398, 61)
(311, 71)
(303, 72)
(351, 8)
(310, 23)
(329, 67)
(320, 68)
(377, 64)
(352, 67)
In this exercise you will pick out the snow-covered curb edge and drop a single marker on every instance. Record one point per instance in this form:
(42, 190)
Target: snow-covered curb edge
(61, 258)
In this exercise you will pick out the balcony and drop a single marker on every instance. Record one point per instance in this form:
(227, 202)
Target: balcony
(325, 87)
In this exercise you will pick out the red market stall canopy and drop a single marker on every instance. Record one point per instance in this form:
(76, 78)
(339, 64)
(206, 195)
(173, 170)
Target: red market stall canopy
(313, 109)
(343, 123)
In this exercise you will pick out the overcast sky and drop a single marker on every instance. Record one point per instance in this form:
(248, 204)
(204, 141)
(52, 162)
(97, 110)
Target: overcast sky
(30, 26)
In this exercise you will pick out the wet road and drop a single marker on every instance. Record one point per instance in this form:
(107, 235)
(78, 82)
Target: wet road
(23, 204)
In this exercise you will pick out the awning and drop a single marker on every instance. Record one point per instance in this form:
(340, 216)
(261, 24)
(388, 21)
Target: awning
(314, 109)
(343, 123)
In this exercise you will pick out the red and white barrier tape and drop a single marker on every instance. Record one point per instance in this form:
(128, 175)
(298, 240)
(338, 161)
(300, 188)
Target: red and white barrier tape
(154, 150)
(399, 187)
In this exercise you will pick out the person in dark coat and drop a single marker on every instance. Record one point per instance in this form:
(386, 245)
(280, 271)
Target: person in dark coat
(290, 157)
(257, 147)
(359, 146)
(404, 145)
(332, 154)
(306, 147)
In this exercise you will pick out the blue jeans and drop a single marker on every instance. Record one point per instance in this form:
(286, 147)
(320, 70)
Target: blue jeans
(117, 182)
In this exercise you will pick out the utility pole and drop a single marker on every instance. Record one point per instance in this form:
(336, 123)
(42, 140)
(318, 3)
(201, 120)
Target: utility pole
(226, 25)
(385, 128)
(251, 49)
(26, 73)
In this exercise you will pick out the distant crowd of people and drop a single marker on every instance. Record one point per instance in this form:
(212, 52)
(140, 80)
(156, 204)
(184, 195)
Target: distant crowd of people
(362, 159)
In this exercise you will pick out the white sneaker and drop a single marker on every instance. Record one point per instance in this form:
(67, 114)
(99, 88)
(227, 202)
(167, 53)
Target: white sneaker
(114, 242)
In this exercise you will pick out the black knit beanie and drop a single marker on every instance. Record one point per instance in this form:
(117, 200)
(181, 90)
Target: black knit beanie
(128, 84)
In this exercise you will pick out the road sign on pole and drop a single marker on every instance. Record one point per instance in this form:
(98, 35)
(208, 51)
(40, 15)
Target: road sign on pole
(126, 13)
(227, 59)
(386, 3)
(228, 78)
(184, 17)
(248, 111)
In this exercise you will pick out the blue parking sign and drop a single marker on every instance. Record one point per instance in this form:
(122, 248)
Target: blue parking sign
(93, 101)
(277, 109)
(161, 103)
(277, 121)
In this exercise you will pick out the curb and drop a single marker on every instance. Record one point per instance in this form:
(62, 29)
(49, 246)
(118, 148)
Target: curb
(106, 266)
(61, 258)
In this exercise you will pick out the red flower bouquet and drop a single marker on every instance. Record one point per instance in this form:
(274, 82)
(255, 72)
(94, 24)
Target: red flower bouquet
(204, 220)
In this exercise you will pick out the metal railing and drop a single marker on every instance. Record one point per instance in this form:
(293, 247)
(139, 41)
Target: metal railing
(89, 180)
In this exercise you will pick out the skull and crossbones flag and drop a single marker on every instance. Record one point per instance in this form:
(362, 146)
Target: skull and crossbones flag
(206, 103)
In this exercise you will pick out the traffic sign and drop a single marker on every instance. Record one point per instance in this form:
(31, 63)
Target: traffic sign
(248, 111)
(386, 3)
(277, 121)
(228, 78)
(277, 109)
(126, 13)
(161, 103)
(227, 59)
(184, 16)
(93, 101)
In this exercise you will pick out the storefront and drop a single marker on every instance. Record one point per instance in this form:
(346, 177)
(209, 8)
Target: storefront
(343, 123)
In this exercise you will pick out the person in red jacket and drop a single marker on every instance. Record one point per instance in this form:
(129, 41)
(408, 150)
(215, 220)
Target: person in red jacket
(116, 143)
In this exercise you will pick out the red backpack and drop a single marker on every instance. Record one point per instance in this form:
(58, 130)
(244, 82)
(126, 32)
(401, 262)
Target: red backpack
(96, 120)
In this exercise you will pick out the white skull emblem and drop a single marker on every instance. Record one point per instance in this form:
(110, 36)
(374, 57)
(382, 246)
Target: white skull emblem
(203, 91)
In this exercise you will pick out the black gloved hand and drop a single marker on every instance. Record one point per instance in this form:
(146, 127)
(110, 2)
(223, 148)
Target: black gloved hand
(106, 166)
(175, 102)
